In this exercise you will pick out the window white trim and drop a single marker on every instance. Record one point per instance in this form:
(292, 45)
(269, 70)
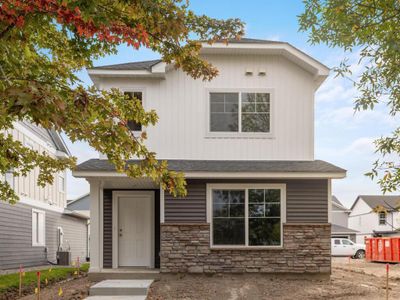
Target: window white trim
(61, 178)
(240, 134)
(38, 228)
(134, 90)
(239, 186)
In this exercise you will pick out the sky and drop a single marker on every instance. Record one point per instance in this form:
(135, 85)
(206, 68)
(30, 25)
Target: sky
(342, 137)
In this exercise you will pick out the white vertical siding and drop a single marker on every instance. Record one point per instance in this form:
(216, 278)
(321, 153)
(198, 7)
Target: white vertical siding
(181, 104)
(26, 187)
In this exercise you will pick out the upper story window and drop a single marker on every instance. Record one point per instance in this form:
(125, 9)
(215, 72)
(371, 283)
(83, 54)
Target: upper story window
(61, 183)
(132, 124)
(382, 218)
(244, 112)
(9, 178)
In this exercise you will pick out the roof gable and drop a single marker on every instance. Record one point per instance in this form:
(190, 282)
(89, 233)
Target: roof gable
(157, 69)
(388, 202)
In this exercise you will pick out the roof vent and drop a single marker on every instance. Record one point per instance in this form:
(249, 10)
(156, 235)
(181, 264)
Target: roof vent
(262, 72)
(248, 72)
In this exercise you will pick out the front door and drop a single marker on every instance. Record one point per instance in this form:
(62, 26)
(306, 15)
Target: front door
(135, 219)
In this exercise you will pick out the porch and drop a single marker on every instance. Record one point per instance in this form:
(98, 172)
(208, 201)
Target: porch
(125, 219)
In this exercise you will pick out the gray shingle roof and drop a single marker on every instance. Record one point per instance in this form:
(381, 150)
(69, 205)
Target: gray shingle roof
(138, 65)
(315, 166)
(49, 135)
(341, 229)
(148, 64)
(373, 201)
(338, 205)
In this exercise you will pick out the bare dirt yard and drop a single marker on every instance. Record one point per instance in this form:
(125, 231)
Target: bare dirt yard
(74, 289)
(354, 279)
(351, 279)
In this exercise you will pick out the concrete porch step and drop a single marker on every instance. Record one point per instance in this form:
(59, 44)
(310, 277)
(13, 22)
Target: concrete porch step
(134, 273)
(116, 298)
(137, 287)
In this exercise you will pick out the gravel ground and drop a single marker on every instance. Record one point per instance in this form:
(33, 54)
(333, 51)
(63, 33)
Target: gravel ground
(346, 282)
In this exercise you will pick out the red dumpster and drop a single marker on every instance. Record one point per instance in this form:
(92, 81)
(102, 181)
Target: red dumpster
(383, 249)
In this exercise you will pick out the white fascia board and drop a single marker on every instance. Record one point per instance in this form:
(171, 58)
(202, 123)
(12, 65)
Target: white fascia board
(226, 175)
(157, 71)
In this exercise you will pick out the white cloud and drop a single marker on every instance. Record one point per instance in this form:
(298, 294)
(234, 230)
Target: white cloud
(363, 145)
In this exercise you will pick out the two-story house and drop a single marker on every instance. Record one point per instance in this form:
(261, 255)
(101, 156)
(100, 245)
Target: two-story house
(368, 221)
(257, 199)
(34, 229)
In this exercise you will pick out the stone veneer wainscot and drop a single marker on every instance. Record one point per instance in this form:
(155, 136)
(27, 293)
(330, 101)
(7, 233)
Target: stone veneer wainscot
(186, 248)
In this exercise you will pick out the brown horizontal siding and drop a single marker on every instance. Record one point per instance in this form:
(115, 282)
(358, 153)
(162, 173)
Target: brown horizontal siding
(191, 208)
(306, 201)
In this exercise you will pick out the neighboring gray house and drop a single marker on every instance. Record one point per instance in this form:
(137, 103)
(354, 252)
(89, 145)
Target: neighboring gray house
(369, 223)
(257, 199)
(80, 204)
(32, 230)
(340, 221)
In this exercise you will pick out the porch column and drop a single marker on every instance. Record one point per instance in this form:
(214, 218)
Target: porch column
(96, 192)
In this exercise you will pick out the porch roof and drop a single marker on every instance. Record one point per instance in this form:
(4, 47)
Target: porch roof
(227, 166)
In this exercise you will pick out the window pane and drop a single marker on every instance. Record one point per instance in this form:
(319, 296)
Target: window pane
(272, 210)
(264, 232)
(256, 196)
(132, 125)
(220, 210)
(224, 108)
(228, 231)
(273, 195)
(220, 196)
(255, 122)
(255, 112)
(228, 217)
(248, 97)
(236, 196)
(236, 210)
(256, 210)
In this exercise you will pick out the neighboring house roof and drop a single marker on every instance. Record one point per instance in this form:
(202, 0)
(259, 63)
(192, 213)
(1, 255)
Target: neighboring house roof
(338, 205)
(49, 135)
(80, 203)
(251, 166)
(75, 214)
(139, 65)
(337, 229)
(388, 202)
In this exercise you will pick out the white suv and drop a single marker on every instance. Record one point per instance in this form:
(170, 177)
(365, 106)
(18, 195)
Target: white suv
(345, 247)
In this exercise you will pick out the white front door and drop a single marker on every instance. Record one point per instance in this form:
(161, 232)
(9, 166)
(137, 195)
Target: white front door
(135, 220)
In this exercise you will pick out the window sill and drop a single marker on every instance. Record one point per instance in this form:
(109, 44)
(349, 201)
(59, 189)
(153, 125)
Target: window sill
(246, 248)
(239, 136)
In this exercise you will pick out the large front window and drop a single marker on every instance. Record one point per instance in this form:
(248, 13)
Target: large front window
(247, 215)
(240, 112)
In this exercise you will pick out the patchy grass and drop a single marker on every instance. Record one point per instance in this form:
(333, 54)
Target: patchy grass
(11, 281)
